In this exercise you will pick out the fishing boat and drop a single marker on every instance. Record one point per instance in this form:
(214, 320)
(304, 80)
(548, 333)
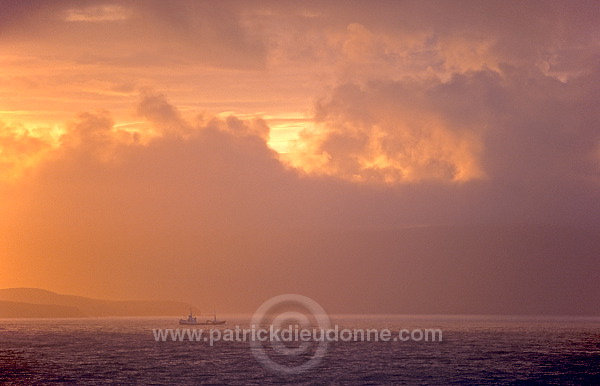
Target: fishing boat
(193, 321)
(213, 322)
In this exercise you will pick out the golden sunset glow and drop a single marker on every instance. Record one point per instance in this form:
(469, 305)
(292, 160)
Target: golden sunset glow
(230, 151)
(47, 82)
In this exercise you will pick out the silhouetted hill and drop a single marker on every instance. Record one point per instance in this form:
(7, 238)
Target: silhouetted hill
(10, 309)
(77, 306)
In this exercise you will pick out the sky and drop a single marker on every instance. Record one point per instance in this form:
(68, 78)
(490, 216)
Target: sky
(379, 157)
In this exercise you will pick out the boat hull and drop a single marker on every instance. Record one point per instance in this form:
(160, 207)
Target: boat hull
(211, 323)
(208, 323)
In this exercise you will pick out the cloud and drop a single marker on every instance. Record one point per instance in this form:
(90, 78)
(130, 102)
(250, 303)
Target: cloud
(434, 126)
(20, 151)
(179, 32)
(188, 211)
(507, 124)
(164, 117)
(390, 132)
(101, 13)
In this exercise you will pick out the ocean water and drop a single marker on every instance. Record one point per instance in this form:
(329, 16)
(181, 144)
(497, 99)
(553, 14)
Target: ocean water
(474, 349)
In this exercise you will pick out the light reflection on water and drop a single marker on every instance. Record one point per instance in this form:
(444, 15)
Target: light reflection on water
(475, 349)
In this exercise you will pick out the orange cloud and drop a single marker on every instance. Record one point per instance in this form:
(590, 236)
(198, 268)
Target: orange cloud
(100, 13)
(389, 133)
(402, 118)
(20, 150)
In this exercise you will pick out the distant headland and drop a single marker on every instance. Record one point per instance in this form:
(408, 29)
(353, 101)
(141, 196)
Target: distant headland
(40, 303)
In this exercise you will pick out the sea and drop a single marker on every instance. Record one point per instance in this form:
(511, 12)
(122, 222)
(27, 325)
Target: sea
(472, 350)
